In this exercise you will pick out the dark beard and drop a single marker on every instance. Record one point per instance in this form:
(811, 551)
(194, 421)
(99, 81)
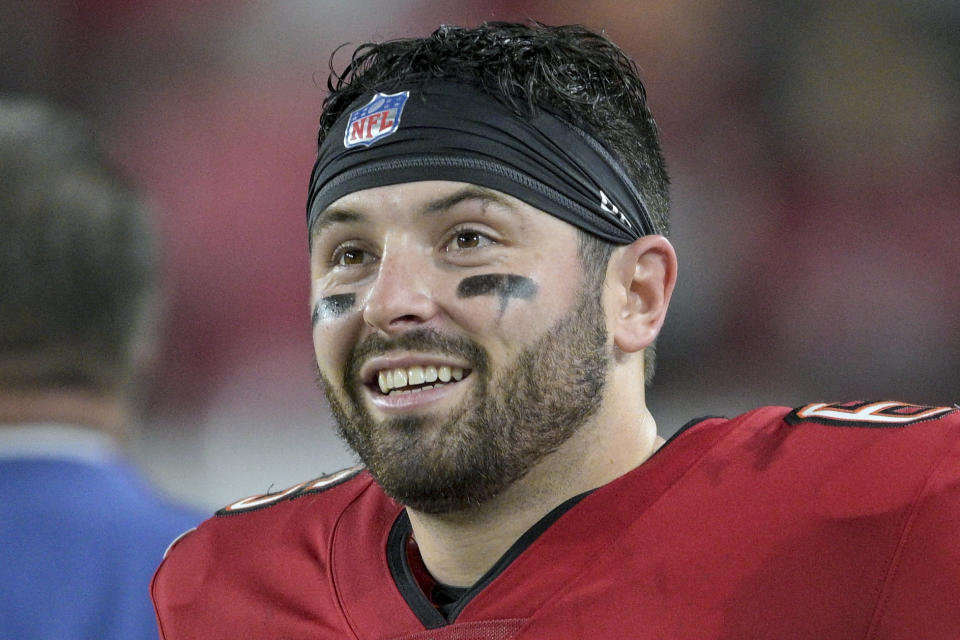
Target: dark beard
(502, 429)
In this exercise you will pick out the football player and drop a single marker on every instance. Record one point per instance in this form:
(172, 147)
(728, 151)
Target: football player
(489, 271)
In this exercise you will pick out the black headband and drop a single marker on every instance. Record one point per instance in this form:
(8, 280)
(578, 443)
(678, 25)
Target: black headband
(446, 130)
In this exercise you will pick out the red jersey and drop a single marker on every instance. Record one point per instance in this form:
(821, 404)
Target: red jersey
(828, 521)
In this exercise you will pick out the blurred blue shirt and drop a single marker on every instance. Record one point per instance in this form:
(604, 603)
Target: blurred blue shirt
(81, 533)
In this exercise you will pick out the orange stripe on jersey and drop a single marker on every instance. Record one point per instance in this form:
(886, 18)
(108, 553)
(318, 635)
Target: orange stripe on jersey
(892, 413)
(261, 500)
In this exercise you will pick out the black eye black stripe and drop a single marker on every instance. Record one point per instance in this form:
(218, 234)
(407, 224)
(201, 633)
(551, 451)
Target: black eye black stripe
(333, 306)
(503, 285)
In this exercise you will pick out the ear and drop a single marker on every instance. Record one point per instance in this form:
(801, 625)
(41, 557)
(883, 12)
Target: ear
(643, 275)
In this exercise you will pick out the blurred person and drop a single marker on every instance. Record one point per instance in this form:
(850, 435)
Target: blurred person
(81, 531)
(489, 272)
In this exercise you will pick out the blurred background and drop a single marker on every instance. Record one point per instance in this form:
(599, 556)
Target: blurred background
(814, 150)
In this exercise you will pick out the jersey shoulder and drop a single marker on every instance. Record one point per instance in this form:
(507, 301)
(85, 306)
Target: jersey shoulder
(319, 485)
(855, 423)
(255, 550)
(320, 499)
(882, 414)
(870, 457)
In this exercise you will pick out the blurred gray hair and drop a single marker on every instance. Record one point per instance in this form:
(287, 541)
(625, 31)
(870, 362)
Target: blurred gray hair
(78, 257)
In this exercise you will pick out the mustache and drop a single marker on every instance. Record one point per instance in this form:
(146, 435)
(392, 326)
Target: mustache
(427, 340)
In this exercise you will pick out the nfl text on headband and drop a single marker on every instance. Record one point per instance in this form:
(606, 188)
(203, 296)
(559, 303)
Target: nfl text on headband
(445, 130)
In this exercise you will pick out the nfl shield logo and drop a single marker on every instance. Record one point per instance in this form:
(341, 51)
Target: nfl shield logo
(377, 119)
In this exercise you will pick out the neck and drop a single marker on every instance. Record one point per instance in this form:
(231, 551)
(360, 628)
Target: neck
(105, 413)
(458, 548)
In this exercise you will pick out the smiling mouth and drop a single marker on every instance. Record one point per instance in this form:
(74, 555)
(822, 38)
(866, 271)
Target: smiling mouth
(416, 379)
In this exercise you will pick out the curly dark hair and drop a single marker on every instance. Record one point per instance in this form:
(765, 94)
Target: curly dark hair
(569, 71)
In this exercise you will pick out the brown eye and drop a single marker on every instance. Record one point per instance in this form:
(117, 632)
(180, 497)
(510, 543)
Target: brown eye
(468, 240)
(351, 257)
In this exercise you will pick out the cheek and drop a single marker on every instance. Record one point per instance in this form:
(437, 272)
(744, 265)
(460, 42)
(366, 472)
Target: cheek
(329, 347)
(511, 309)
(336, 325)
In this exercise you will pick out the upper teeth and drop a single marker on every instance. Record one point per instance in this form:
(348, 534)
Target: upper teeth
(390, 379)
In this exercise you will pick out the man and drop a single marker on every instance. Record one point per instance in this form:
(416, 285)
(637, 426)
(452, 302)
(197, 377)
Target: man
(489, 274)
(80, 531)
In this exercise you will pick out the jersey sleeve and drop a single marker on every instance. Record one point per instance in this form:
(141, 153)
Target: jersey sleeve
(259, 568)
(921, 594)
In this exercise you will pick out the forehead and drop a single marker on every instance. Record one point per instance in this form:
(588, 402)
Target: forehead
(426, 199)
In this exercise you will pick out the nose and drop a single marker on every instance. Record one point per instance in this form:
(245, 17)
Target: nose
(402, 296)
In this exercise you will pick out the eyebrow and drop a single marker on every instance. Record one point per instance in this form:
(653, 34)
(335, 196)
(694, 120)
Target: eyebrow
(335, 215)
(470, 192)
